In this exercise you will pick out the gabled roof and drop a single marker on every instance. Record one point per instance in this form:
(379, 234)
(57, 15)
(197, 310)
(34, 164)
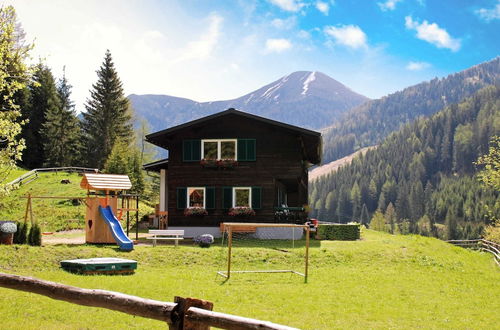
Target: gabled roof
(314, 138)
(156, 166)
(105, 182)
(152, 136)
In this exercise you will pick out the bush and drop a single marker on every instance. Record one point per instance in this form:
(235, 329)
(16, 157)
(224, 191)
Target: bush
(35, 235)
(340, 232)
(21, 234)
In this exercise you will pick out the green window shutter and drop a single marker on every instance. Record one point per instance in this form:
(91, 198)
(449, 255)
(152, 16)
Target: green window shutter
(196, 150)
(256, 198)
(242, 150)
(227, 198)
(186, 151)
(246, 150)
(210, 198)
(181, 197)
(191, 150)
(251, 149)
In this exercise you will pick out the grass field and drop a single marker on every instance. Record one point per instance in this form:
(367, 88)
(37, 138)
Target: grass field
(381, 281)
(51, 214)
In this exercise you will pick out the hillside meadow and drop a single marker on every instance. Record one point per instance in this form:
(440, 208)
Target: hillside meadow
(380, 281)
(51, 214)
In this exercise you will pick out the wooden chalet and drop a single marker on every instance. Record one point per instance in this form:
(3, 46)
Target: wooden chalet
(234, 159)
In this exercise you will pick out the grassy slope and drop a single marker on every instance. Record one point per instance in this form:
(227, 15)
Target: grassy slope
(53, 215)
(383, 281)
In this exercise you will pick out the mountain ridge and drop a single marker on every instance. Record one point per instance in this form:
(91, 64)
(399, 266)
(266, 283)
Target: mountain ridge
(303, 98)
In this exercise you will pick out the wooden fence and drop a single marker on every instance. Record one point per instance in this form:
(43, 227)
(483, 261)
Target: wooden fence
(33, 174)
(480, 244)
(184, 313)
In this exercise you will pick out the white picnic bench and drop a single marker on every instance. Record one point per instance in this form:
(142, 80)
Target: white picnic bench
(163, 234)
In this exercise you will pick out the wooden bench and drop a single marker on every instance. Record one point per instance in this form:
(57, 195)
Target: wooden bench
(162, 234)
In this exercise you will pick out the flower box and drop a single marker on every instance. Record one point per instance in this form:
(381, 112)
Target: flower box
(241, 211)
(195, 211)
(227, 163)
(209, 163)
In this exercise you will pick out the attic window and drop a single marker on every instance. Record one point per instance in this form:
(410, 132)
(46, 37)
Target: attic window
(219, 149)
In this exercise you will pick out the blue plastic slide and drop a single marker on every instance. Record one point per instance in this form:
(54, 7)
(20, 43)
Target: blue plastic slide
(116, 229)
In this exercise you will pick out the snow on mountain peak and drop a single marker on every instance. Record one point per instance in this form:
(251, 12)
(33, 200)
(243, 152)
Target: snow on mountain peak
(310, 78)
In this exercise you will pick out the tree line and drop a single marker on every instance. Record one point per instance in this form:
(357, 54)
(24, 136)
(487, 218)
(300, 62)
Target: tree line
(370, 123)
(422, 178)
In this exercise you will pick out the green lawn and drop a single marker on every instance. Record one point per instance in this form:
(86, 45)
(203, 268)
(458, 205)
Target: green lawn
(382, 281)
(51, 214)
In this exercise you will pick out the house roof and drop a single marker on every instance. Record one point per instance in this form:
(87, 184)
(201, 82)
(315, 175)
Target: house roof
(105, 182)
(156, 166)
(313, 137)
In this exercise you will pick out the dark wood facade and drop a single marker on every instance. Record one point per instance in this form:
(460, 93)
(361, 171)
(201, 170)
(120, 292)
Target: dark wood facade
(283, 154)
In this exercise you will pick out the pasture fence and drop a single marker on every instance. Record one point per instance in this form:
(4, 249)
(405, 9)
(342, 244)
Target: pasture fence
(33, 174)
(182, 314)
(480, 244)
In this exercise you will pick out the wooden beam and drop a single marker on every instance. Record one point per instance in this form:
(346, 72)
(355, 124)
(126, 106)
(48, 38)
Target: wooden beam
(153, 309)
(227, 321)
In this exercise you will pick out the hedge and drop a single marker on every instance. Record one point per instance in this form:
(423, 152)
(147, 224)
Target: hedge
(339, 232)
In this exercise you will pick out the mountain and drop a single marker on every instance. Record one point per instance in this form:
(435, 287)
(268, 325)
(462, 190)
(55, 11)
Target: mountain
(369, 123)
(422, 176)
(303, 98)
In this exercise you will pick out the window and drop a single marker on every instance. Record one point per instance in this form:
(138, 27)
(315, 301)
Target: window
(196, 197)
(242, 196)
(219, 149)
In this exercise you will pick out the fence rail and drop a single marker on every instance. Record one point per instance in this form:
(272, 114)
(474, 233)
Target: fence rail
(33, 174)
(184, 313)
(480, 244)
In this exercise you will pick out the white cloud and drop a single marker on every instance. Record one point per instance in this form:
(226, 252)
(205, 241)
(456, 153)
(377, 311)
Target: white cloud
(433, 34)
(203, 48)
(489, 14)
(348, 35)
(288, 5)
(284, 24)
(323, 7)
(417, 66)
(277, 45)
(388, 5)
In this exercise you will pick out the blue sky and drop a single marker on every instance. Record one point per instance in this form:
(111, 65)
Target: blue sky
(212, 50)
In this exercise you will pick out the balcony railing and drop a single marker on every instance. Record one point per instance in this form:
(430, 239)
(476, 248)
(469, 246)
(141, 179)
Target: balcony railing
(290, 214)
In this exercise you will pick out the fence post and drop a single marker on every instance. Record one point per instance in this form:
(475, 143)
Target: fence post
(183, 304)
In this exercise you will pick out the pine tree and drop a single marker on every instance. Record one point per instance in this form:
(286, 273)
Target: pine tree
(390, 219)
(356, 202)
(108, 115)
(451, 230)
(365, 218)
(61, 131)
(43, 99)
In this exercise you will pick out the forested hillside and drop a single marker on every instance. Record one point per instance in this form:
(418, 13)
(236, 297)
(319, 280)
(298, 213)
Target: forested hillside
(371, 122)
(422, 178)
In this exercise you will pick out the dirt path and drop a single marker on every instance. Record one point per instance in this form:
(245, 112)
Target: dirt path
(76, 236)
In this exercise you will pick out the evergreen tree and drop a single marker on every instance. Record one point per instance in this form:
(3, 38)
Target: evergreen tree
(356, 202)
(450, 223)
(61, 130)
(43, 100)
(365, 218)
(390, 219)
(125, 159)
(108, 115)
